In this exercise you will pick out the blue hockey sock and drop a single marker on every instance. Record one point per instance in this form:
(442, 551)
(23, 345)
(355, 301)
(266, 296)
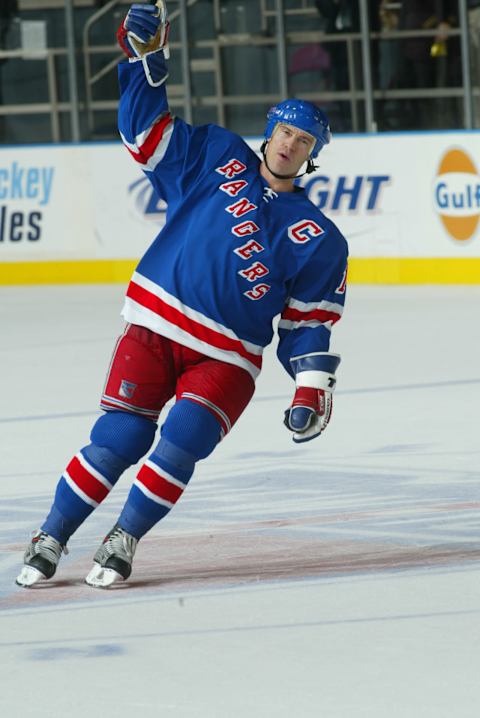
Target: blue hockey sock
(118, 441)
(190, 433)
(81, 489)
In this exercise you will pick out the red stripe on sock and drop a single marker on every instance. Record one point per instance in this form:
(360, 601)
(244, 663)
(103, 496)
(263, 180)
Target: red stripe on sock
(158, 485)
(86, 482)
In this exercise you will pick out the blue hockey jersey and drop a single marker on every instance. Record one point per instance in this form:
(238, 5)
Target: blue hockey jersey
(233, 253)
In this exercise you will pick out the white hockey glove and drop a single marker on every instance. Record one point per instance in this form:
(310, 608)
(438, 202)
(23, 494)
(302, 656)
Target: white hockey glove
(311, 408)
(143, 33)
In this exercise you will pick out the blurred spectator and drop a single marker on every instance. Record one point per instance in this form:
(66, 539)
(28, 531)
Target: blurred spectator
(389, 111)
(417, 59)
(342, 17)
(428, 62)
(389, 50)
(309, 58)
(474, 29)
(339, 16)
(8, 9)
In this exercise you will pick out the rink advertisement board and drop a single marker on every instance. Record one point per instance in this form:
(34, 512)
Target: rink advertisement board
(408, 204)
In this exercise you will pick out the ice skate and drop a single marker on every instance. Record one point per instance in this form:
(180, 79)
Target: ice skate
(41, 559)
(113, 560)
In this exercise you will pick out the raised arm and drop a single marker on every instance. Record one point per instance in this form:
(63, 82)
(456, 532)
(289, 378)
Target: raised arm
(166, 148)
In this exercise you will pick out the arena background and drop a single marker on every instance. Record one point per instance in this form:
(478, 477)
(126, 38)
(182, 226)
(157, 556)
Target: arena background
(337, 578)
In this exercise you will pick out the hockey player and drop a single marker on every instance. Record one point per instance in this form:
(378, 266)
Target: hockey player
(241, 245)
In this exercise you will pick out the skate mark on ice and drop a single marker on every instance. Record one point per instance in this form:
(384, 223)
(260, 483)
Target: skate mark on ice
(166, 564)
(55, 650)
(62, 653)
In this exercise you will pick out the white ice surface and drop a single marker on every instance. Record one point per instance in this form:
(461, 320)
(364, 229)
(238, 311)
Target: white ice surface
(335, 579)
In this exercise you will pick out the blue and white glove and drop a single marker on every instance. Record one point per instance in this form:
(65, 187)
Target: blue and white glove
(143, 34)
(311, 408)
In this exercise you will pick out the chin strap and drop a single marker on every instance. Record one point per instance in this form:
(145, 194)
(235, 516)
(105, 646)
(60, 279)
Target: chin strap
(310, 166)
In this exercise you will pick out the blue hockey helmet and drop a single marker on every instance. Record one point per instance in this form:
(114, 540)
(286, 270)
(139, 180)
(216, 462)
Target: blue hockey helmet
(303, 115)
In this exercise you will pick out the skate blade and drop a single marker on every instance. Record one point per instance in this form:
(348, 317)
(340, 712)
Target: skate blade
(100, 577)
(29, 576)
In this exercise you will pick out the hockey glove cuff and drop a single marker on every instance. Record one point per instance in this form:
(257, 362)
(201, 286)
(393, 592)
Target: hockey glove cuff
(316, 370)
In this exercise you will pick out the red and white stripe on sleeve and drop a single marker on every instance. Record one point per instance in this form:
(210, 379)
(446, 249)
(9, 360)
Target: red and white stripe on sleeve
(150, 145)
(297, 314)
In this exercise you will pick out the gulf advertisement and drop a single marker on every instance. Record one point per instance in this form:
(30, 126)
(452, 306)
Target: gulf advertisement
(408, 204)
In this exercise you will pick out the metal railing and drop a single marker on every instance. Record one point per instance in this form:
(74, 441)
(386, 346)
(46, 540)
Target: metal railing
(91, 79)
(52, 106)
(358, 93)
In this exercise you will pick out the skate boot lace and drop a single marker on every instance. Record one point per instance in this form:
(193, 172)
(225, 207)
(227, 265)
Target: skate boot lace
(118, 543)
(46, 546)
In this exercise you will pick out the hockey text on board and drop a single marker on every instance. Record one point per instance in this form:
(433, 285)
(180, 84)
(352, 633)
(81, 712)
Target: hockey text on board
(21, 187)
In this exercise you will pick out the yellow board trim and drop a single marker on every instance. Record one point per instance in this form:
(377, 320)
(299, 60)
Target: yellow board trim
(365, 270)
(85, 271)
(409, 270)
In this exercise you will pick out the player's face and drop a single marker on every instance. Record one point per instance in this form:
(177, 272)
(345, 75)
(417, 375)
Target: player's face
(288, 149)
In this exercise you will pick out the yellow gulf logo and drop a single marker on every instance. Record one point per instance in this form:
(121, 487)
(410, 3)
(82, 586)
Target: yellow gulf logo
(457, 194)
